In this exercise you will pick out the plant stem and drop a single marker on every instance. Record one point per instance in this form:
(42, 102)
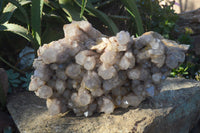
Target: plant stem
(131, 7)
(119, 17)
(103, 3)
(13, 67)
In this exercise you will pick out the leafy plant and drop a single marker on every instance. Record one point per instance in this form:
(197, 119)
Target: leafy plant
(13, 78)
(90, 9)
(131, 7)
(16, 80)
(161, 19)
(180, 72)
(36, 17)
(6, 15)
(186, 37)
(197, 75)
(26, 80)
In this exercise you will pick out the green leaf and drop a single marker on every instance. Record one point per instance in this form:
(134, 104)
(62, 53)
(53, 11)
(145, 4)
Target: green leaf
(102, 16)
(7, 13)
(19, 6)
(50, 33)
(16, 81)
(14, 75)
(186, 68)
(172, 73)
(52, 4)
(84, 2)
(1, 5)
(11, 7)
(71, 9)
(17, 29)
(185, 73)
(15, 85)
(36, 17)
(55, 7)
(23, 79)
(133, 10)
(25, 85)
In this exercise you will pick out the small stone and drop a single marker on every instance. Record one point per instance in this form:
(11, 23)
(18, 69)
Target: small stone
(138, 90)
(54, 66)
(91, 81)
(119, 91)
(83, 98)
(106, 71)
(127, 61)
(112, 83)
(108, 57)
(44, 92)
(134, 74)
(35, 83)
(171, 61)
(87, 28)
(123, 37)
(60, 86)
(67, 94)
(107, 106)
(100, 46)
(82, 56)
(89, 63)
(73, 32)
(131, 100)
(54, 106)
(73, 71)
(144, 74)
(97, 92)
(158, 60)
(150, 89)
(61, 74)
(156, 77)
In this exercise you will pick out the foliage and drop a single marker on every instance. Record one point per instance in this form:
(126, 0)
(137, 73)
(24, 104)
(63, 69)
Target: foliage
(41, 21)
(7, 12)
(158, 18)
(16, 80)
(181, 71)
(36, 17)
(26, 80)
(13, 78)
(102, 16)
(131, 7)
(191, 62)
(197, 76)
(185, 37)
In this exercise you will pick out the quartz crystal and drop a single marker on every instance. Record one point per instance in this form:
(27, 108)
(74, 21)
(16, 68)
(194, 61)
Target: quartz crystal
(88, 72)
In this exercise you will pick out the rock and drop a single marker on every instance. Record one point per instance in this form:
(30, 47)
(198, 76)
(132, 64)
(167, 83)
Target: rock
(5, 121)
(4, 80)
(81, 58)
(183, 5)
(196, 44)
(174, 110)
(190, 19)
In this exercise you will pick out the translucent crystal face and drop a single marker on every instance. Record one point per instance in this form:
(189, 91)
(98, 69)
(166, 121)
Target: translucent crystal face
(88, 72)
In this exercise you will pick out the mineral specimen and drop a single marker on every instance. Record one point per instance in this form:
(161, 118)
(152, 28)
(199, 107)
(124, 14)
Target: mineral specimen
(89, 72)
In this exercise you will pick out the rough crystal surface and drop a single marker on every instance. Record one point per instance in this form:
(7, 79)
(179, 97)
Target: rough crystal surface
(88, 72)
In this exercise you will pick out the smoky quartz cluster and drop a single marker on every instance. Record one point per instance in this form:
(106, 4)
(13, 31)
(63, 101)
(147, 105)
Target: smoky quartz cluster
(89, 72)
